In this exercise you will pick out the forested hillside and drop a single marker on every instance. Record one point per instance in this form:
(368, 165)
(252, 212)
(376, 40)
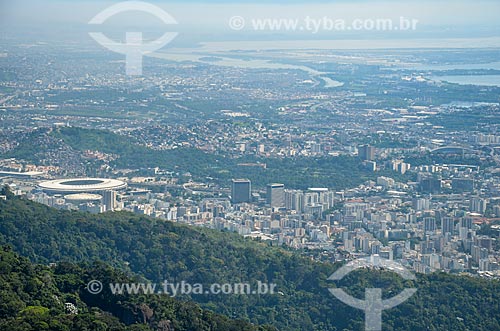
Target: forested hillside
(35, 297)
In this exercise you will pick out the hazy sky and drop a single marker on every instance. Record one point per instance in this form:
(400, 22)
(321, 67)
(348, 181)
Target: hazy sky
(436, 12)
(200, 20)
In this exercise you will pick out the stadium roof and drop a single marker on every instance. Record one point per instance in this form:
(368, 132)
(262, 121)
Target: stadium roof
(82, 185)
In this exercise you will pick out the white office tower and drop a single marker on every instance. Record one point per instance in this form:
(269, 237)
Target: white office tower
(276, 195)
(109, 200)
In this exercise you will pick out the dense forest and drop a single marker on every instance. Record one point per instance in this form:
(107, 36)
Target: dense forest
(158, 250)
(36, 297)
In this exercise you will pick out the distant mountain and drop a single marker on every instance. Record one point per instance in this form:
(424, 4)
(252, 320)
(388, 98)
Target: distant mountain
(160, 250)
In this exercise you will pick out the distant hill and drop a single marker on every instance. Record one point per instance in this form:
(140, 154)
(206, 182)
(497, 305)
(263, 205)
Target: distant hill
(160, 250)
(64, 147)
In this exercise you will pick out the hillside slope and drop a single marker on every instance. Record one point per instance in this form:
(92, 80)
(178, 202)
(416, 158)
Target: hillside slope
(37, 297)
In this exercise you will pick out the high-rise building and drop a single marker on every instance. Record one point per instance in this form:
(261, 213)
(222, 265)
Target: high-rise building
(276, 195)
(478, 205)
(448, 225)
(420, 204)
(484, 242)
(294, 200)
(466, 222)
(301, 201)
(366, 152)
(430, 184)
(400, 166)
(371, 165)
(241, 191)
(429, 224)
(462, 184)
(496, 211)
(385, 182)
(109, 200)
(322, 196)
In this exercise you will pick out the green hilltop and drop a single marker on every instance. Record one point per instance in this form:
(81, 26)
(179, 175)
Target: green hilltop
(297, 172)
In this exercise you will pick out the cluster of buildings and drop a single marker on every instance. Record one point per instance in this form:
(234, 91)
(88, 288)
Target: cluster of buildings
(445, 220)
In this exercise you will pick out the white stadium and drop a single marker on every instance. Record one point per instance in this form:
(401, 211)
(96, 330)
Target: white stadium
(82, 185)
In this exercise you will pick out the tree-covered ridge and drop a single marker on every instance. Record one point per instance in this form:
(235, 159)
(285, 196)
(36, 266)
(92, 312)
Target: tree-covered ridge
(159, 250)
(36, 297)
(297, 172)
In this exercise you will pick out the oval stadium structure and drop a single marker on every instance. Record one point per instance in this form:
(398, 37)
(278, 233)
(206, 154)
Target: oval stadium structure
(82, 185)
